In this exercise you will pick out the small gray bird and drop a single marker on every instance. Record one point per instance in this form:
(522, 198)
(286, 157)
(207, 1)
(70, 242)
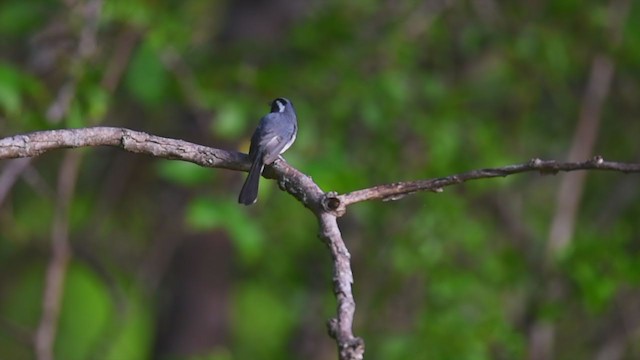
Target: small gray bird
(273, 136)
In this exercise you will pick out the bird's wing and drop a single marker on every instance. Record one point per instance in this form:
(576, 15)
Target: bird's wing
(272, 136)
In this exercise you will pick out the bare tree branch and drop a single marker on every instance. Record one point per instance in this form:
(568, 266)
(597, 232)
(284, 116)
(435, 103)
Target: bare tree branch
(10, 174)
(398, 190)
(290, 179)
(571, 189)
(340, 328)
(571, 186)
(326, 206)
(60, 256)
(37, 143)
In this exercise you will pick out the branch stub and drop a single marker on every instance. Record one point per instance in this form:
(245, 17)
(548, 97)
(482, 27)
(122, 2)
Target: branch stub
(332, 204)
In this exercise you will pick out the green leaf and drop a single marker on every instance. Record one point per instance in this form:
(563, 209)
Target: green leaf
(86, 311)
(262, 322)
(75, 117)
(21, 305)
(207, 214)
(231, 120)
(10, 102)
(18, 17)
(135, 335)
(97, 99)
(184, 173)
(17, 88)
(135, 13)
(146, 77)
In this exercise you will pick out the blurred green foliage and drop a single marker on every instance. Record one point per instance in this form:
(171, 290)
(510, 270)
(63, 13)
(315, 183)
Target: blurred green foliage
(384, 91)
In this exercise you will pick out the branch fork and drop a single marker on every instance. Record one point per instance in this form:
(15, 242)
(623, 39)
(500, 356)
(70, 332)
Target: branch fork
(326, 206)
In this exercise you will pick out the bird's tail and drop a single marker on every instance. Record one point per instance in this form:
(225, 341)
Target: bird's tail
(249, 192)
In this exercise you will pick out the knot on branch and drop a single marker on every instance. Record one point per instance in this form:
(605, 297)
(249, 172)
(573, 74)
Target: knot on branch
(535, 163)
(331, 203)
(353, 349)
(597, 160)
(545, 167)
(349, 347)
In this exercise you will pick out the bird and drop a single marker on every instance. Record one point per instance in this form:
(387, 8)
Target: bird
(275, 133)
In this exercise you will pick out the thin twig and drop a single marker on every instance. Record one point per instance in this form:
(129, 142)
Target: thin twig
(572, 185)
(10, 174)
(89, 13)
(398, 190)
(60, 256)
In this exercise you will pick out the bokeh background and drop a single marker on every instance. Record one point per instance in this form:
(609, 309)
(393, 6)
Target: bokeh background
(158, 260)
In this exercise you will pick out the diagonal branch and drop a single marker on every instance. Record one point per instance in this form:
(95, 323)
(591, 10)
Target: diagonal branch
(10, 175)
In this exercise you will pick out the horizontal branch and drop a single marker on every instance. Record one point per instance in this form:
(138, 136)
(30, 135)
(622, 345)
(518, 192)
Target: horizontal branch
(38, 143)
(397, 190)
(290, 179)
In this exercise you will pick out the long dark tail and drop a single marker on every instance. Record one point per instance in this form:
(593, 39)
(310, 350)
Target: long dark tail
(249, 192)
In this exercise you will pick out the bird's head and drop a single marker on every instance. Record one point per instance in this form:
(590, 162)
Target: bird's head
(279, 105)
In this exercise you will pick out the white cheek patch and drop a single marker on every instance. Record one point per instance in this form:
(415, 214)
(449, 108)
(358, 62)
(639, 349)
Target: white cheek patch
(280, 106)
